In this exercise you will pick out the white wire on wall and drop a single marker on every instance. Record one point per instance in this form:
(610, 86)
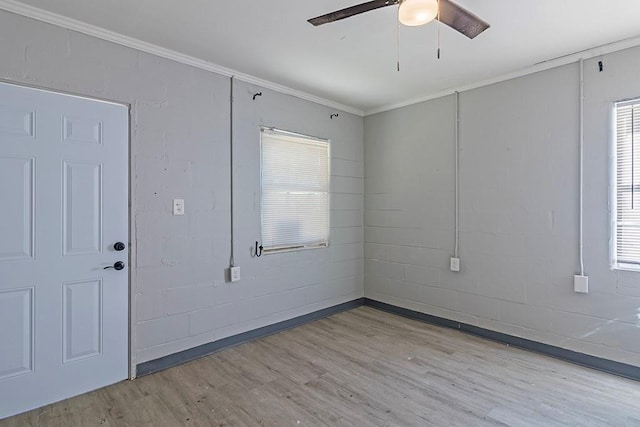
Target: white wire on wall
(457, 178)
(581, 221)
(232, 262)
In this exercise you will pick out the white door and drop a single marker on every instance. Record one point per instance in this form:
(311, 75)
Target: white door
(63, 206)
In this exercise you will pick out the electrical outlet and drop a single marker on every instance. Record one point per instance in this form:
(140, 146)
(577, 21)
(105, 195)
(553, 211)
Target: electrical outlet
(454, 264)
(178, 206)
(234, 274)
(581, 284)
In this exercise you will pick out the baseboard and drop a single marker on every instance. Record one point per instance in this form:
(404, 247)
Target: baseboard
(606, 365)
(593, 362)
(179, 358)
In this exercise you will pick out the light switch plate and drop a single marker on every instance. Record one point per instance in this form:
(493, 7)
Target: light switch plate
(581, 284)
(455, 264)
(178, 206)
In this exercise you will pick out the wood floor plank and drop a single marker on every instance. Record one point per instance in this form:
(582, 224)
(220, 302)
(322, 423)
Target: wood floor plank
(363, 367)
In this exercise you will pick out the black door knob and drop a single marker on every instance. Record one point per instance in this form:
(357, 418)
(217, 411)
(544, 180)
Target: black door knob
(119, 246)
(117, 266)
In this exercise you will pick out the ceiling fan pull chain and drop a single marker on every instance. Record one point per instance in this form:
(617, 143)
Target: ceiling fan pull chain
(438, 25)
(398, 40)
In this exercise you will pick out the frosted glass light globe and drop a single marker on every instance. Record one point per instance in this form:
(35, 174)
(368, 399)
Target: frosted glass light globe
(417, 12)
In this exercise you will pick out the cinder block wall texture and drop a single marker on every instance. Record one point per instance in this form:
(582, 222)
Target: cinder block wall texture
(518, 201)
(180, 149)
(519, 198)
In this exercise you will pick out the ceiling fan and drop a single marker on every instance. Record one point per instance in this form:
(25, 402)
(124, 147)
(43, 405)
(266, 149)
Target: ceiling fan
(414, 13)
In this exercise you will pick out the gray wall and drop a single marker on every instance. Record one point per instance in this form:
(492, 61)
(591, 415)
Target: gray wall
(519, 199)
(180, 149)
(519, 209)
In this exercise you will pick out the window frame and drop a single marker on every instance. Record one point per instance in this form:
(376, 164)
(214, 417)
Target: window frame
(615, 264)
(292, 134)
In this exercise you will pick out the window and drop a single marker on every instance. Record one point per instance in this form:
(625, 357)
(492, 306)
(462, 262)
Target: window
(626, 215)
(295, 191)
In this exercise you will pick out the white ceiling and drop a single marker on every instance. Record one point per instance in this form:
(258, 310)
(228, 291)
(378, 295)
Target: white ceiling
(353, 61)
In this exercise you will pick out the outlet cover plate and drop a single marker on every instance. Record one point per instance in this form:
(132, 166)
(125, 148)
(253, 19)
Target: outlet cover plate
(234, 273)
(580, 284)
(455, 264)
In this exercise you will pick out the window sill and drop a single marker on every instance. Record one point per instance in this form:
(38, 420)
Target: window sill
(271, 251)
(626, 267)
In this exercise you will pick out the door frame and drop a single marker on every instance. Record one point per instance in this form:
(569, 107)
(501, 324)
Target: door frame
(131, 223)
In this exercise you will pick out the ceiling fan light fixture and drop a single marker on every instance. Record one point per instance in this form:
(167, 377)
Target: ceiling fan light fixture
(417, 12)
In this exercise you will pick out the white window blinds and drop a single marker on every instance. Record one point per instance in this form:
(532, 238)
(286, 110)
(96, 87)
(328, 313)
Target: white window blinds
(295, 191)
(627, 194)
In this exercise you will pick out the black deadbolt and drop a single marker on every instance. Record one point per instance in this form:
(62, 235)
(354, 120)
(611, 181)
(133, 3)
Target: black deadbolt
(117, 266)
(119, 246)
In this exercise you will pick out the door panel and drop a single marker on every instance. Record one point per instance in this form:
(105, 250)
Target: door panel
(64, 186)
(16, 310)
(82, 129)
(82, 208)
(17, 189)
(82, 320)
(17, 121)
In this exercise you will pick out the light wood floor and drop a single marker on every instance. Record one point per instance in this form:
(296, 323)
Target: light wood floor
(359, 368)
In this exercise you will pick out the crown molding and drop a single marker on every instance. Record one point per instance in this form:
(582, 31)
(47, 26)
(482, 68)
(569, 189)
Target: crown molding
(541, 66)
(133, 43)
(16, 7)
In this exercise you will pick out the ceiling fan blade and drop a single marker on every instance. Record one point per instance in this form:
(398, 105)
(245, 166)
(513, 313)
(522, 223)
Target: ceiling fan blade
(351, 11)
(460, 19)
